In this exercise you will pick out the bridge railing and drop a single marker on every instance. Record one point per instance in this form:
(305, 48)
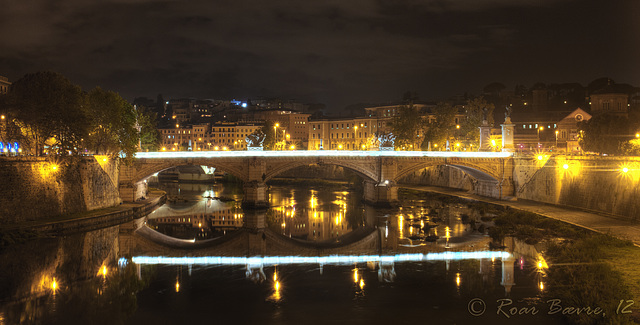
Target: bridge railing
(320, 153)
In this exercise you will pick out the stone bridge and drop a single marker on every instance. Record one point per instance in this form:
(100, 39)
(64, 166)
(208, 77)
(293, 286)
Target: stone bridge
(381, 170)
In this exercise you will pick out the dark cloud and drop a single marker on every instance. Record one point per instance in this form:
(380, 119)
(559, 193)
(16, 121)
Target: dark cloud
(338, 52)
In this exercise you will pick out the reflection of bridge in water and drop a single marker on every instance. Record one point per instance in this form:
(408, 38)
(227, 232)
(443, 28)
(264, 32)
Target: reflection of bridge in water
(255, 246)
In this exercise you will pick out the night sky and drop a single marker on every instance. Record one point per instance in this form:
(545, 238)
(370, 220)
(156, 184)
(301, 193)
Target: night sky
(337, 52)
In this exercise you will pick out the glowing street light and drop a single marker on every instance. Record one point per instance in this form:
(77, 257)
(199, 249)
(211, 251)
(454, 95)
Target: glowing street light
(275, 133)
(539, 129)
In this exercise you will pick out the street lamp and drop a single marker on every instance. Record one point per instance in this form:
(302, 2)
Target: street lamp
(557, 139)
(539, 129)
(275, 133)
(355, 134)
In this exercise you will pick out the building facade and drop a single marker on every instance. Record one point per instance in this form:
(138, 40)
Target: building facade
(4, 85)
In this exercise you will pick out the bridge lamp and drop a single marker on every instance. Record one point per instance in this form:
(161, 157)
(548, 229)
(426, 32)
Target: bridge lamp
(164, 148)
(293, 147)
(625, 169)
(458, 126)
(565, 166)
(540, 157)
(177, 126)
(225, 148)
(637, 135)
(216, 148)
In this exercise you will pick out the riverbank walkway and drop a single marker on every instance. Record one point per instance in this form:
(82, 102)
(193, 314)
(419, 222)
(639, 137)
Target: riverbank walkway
(594, 221)
(90, 220)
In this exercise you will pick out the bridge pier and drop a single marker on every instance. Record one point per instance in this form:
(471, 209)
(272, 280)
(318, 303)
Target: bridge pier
(255, 219)
(132, 192)
(383, 194)
(255, 195)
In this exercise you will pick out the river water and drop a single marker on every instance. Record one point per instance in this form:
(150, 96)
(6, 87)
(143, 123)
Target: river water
(322, 257)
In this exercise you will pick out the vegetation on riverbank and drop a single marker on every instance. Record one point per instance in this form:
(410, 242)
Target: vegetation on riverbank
(586, 269)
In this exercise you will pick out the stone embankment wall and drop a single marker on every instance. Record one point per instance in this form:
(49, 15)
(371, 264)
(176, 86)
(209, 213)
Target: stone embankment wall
(39, 188)
(593, 183)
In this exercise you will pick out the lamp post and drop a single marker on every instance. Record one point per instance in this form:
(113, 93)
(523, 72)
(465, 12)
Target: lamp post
(539, 129)
(355, 135)
(557, 139)
(275, 134)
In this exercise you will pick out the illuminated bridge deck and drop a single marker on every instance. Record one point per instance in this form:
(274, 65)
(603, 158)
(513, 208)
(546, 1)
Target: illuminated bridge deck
(321, 153)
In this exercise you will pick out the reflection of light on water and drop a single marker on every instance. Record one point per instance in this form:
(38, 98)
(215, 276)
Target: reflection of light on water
(177, 286)
(400, 226)
(103, 271)
(457, 279)
(541, 286)
(276, 288)
(355, 275)
(541, 264)
(361, 283)
(334, 259)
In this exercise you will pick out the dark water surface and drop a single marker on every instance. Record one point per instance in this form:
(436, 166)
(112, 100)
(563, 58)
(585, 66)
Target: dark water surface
(97, 280)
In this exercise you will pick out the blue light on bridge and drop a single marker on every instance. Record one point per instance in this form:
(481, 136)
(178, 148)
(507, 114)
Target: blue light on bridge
(334, 259)
(320, 153)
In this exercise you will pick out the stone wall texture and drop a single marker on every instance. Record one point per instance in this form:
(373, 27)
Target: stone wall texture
(33, 190)
(593, 183)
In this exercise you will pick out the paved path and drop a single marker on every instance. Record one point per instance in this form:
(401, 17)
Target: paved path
(90, 220)
(595, 221)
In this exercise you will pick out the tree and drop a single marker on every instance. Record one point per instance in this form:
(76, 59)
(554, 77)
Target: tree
(605, 134)
(48, 108)
(150, 138)
(407, 126)
(442, 128)
(113, 124)
(475, 112)
(270, 136)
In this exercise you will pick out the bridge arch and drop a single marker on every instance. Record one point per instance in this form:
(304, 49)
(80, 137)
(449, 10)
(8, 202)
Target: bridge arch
(475, 170)
(366, 171)
(145, 169)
